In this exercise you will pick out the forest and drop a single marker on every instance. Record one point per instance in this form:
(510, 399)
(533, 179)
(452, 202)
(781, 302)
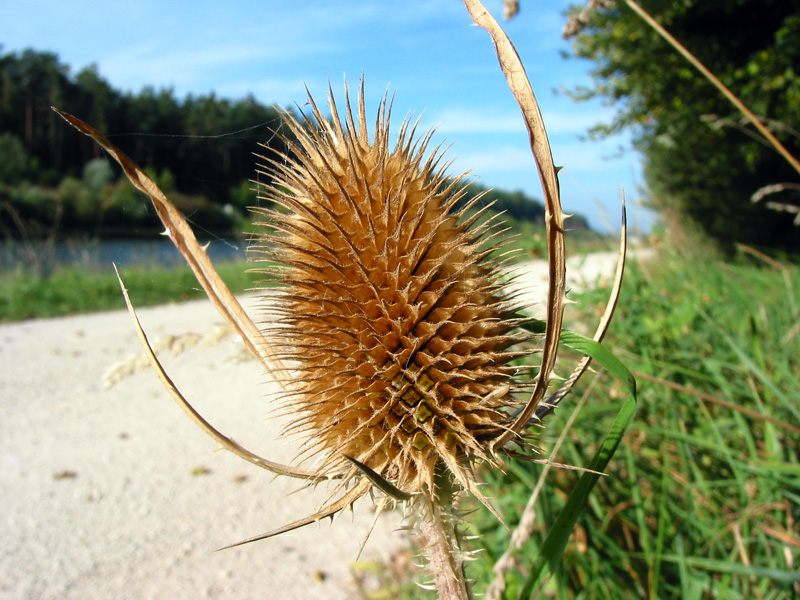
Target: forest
(200, 150)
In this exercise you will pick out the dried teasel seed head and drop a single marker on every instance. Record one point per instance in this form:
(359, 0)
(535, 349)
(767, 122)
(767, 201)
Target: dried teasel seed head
(393, 312)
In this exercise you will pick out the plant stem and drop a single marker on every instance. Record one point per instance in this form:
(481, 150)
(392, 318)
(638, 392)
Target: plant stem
(442, 541)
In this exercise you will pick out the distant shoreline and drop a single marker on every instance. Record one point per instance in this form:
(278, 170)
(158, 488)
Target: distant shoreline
(100, 253)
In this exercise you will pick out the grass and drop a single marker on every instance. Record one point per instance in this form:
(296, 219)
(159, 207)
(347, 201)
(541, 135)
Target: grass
(72, 290)
(703, 497)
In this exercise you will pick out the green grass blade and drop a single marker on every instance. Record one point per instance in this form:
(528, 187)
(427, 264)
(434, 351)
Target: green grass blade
(556, 541)
(721, 566)
(601, 355)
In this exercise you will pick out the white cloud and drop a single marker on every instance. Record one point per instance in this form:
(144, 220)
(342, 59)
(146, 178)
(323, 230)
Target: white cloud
(575, 122)
(503, 159)
(591, 156)
(184, 65)
(473, 120)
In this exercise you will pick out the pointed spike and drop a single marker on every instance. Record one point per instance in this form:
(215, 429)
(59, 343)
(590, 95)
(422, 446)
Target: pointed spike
(328, 511)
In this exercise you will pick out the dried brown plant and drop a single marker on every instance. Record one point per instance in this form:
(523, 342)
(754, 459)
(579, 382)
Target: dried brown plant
(393, 330)
(392, 310)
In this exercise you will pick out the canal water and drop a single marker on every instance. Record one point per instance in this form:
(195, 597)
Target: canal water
(100, 254)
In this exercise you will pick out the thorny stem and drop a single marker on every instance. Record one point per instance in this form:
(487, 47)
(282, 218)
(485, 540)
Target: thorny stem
(438, 529)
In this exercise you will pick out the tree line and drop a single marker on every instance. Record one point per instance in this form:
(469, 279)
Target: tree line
(199, 149)
(201, 139)
(53, 179)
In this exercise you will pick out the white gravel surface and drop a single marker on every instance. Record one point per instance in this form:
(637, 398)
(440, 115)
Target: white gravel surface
(114, 493)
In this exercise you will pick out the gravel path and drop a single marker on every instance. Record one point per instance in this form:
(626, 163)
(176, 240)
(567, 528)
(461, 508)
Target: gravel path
(113, 492)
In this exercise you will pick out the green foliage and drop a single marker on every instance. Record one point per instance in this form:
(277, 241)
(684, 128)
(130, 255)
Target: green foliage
(25, 295)
(13, 159)
(205, 142)
(97, 174)
(243, 195)
(700, 158)
(701, 500)
(29, 210)
(82, 204)
(101, 208)
(125, 207)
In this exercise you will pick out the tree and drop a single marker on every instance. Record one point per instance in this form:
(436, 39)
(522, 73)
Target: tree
(701, 161)
(97, 99)
(13, 159)
(200, 149)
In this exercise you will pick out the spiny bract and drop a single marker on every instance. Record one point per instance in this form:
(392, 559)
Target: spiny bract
(393, 314)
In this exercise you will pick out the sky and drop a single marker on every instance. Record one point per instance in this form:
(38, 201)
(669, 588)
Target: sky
(436, 65)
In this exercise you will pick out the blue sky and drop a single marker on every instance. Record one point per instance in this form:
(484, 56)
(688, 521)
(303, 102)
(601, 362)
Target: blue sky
(427, 52)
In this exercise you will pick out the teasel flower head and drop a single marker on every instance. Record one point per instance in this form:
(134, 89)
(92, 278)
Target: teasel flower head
(394, 336)
(394, 310)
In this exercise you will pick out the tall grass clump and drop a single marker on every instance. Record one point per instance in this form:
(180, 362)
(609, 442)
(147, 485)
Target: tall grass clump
(705, 501)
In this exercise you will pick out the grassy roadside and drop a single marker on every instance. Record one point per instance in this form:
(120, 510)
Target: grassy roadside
(703, 498)
(74, 290)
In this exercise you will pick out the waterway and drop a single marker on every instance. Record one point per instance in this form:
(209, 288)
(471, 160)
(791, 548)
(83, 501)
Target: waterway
(100, 254)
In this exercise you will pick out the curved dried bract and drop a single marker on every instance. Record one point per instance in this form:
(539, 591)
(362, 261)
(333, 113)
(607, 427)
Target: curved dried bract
(329, 510)
(554, 217)
(392, 309)
(182, 236)
(223, 440)
(552, 401)
(185, 241)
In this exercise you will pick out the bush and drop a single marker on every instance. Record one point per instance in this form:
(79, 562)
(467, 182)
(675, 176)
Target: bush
(80, 205)
(14, 161)
(97, 174)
